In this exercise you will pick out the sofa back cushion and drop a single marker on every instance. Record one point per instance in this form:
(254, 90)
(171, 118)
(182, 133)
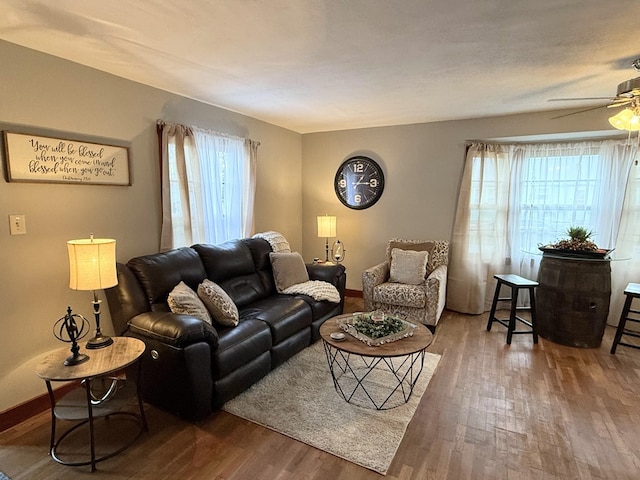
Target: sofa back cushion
(260, 250)
(159, 273)
(231, 265)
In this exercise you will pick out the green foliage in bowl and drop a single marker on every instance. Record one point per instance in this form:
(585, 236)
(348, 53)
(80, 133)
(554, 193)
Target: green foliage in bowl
(390, 325)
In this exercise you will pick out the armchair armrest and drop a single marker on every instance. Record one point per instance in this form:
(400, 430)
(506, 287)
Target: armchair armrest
(437, 292)
(174, 330)
(370, 278)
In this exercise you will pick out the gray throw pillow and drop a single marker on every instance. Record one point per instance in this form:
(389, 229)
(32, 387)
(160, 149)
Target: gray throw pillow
(408, 266)
(219, 304)
(182, 299)
(288, 269)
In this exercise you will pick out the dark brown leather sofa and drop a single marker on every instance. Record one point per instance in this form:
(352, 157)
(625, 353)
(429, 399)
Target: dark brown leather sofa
(191, 367)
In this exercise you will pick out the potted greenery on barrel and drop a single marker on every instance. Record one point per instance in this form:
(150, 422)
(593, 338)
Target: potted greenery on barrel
(578, 244)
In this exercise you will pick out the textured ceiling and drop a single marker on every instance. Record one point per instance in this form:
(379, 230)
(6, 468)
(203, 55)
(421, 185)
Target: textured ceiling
(318, 65)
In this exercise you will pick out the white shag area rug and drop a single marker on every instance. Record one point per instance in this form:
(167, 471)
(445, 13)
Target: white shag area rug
(298, 399)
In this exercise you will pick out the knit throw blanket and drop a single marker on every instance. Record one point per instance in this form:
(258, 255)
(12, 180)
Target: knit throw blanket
(316, 289)
(276, 240)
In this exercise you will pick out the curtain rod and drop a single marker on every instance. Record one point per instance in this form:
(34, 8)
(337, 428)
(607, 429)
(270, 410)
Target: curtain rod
(162, 123)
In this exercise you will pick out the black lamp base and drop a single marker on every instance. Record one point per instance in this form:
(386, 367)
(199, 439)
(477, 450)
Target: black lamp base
(99, 341)
(76, 360)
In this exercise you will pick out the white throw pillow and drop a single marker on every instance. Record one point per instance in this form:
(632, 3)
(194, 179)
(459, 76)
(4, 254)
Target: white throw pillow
(288, 269)
(182, 299)
(409, 267)
(219, 304)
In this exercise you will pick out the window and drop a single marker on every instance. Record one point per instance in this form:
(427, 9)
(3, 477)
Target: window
(208, 186)
(556, 192)
(514, 198)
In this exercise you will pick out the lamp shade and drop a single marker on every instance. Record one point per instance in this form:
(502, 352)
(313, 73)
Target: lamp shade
(626, 120)
(326, 226)
(92, 263)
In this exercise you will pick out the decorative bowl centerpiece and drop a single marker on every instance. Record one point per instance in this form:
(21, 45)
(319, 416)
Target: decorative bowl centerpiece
(376, 328)
(578, 245)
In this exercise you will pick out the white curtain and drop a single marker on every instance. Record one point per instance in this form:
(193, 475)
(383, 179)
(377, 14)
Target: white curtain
(208, 186)
(514, 198)
(627, 268)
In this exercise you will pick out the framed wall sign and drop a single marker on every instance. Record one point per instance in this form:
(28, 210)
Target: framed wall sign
(33, 158)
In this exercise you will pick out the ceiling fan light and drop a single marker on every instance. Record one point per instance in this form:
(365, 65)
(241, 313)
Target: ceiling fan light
(634, 123)
(623, 120)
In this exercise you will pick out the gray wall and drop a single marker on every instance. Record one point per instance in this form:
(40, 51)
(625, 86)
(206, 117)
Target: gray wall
(423, 165)
(50, 96)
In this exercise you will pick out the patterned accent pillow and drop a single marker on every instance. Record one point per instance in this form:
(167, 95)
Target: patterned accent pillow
(288, 269)
(182, 299)
(408, 267)
(219, 304)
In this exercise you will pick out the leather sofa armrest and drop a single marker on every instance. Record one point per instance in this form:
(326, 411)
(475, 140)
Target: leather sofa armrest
(370, 278)
(173, 329)
(328, 272)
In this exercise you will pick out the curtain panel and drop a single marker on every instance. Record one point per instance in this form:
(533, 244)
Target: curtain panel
(516, 197)
(208, 186)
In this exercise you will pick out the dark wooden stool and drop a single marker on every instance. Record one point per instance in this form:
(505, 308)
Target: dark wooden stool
(632, 291)
(515, 283)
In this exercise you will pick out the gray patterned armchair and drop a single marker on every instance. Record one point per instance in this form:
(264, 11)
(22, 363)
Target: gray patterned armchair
(423, 302)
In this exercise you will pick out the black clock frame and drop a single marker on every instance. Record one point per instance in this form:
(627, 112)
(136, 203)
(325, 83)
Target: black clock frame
(377, 192)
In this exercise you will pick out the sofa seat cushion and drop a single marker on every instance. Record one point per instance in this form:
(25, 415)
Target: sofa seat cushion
(283, 314)
(400, 294)
(319, 309)
(239, 345)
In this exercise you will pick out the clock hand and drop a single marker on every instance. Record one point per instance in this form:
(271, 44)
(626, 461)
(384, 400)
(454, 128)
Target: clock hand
(359, 182)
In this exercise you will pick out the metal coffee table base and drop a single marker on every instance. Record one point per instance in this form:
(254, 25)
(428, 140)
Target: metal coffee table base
(374, 381)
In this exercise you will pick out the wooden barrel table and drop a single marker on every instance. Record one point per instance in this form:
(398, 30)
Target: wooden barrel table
(572, 300)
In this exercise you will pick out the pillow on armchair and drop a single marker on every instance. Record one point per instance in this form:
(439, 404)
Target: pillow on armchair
(408, 266)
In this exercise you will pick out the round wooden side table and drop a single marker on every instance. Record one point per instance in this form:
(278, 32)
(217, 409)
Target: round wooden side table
(80, 404)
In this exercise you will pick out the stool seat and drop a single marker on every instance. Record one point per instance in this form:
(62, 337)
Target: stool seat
(632, 291)
(515, 283)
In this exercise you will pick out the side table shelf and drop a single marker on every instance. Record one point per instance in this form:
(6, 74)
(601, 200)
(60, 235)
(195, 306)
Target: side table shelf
(80, 404)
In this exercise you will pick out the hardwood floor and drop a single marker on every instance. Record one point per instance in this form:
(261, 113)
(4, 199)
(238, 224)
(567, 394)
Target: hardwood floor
(491, 411)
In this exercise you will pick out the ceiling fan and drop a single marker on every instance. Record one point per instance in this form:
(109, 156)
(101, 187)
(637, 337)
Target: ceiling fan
(627, 95)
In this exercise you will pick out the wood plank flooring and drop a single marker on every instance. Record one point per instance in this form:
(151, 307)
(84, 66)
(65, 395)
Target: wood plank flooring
(491, 411)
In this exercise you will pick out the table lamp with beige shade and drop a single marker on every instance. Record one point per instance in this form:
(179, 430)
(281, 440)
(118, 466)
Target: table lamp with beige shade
(326, 229)
(92, 266)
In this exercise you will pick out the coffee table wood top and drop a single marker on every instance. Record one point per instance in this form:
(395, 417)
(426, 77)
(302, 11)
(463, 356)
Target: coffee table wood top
(123, 352)
(420, 340)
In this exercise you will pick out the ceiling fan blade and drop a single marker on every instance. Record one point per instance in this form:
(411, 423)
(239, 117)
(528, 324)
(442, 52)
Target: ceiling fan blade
(583, 98)
(620, 102)
(579, 111)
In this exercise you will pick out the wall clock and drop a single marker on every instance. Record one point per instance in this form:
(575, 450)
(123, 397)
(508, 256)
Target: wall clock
(359, 182)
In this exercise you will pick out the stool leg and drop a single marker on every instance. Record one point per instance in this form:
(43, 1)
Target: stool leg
(492, 313)
(532, 301)
(512, 315)
(621, 323)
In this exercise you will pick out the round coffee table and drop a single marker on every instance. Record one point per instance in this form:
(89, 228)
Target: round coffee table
(381, 377)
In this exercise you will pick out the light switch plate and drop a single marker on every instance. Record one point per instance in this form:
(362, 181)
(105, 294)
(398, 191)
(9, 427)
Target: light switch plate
(17, 224)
